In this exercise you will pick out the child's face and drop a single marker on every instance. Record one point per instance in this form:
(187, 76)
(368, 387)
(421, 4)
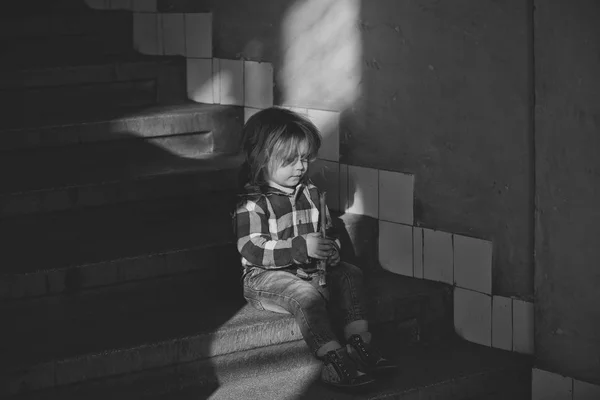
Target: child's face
(291, 174)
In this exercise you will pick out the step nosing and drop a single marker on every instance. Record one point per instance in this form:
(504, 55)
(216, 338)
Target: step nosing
(154, 344)
(114, 260)
(182, 111)
(140, 177)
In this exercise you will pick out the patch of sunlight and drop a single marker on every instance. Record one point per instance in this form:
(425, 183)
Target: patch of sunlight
(356, 200)
(181, 137)
(322, 51)
(288, 384)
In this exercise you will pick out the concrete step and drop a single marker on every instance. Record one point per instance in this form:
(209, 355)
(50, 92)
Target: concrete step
(87, 70)
(455, 370)
(145, 326)
(69, 177)
(69, 252)
(44, 7)
(65, 22)
(38, 93)
(33, 50)
(222, 125)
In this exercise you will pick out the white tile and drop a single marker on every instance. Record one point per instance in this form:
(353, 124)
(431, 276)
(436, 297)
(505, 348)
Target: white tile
(502, 323)
(363, 188)
(473, 316)
(473, 263)
(145, 33)
(328, 123)
(344, 202)
(523, 327)
(258, 84)
(585, 391)
(198, 35)
(396, 248)
(326, 175)
(248, 112)
(549, 386)
(396, 197)
(173, 34)
(144, 6)
(98, 4)
(418, 252)
(199, 80)
(121, 5)
(231, 79)
(437, 256)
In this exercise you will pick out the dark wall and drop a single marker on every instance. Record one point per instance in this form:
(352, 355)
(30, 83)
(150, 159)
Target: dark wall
(446, 92)
(567, 278)
(448, 99)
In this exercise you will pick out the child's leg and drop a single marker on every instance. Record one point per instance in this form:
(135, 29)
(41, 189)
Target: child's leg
(347, 296)
(345, 282)
(282, 292)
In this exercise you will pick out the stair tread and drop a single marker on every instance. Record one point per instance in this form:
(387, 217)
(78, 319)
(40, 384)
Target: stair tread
(453, 370)
(144, 313)
(79, 237)
(448, 370)
(115, 116)
(48, 65)
(91, 164)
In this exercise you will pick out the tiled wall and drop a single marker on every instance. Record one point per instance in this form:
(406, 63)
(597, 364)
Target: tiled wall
(405, 249)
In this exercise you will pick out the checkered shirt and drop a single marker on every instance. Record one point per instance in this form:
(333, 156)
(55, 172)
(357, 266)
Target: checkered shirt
(272, 227)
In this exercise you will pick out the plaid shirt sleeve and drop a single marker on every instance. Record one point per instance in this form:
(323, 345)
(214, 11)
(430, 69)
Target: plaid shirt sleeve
(256, 245)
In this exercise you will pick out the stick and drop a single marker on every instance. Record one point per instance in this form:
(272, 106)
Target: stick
(322, 264)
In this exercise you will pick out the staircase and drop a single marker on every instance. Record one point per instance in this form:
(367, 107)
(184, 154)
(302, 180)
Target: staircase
(119, 276)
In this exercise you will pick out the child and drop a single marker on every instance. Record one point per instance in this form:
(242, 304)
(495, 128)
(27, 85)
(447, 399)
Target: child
(278, 238)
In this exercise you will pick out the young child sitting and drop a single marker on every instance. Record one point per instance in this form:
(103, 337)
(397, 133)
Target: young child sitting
(278, 237)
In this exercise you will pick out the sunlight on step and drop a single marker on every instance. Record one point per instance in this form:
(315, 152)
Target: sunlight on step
(289, 384)
(322, 50)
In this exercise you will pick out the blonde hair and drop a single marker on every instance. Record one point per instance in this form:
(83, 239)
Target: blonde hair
(275, 137)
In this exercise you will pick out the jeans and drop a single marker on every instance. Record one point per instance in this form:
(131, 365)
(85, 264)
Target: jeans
(284, 292)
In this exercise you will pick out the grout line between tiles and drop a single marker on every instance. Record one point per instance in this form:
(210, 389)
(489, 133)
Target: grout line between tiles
(412, 236)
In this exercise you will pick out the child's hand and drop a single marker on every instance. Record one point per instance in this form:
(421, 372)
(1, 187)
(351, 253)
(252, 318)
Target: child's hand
(334, 259)
(318, 247)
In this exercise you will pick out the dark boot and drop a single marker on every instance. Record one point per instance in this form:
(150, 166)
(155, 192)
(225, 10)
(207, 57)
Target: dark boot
(367, 357)
(340, 370)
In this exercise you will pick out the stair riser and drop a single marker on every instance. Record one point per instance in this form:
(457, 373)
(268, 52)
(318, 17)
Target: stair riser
(45, 7)
(87, 74)
(67, 24)
(75, 279)
(199, 379)
(185, 350)
(144, 188)
(225, 128)
(24, 106)
(29, 51)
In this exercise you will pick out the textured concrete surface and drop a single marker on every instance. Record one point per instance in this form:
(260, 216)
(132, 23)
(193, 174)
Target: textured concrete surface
(446, 97)
(45, 180)
(71, 251)
(445, 94)
(449, 370)
(128, 82)
(156, 323)
(222, 123)
(567, 315)
(453, 371)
